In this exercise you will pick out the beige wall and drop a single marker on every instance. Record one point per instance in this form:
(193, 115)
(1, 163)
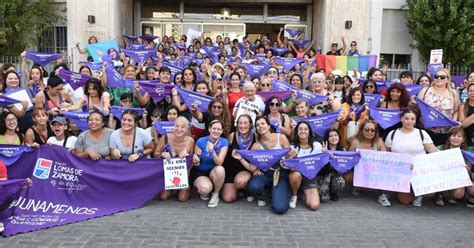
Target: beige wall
(112, 19)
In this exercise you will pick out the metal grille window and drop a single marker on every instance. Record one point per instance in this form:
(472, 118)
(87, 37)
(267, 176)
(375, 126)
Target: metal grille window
(53, 41)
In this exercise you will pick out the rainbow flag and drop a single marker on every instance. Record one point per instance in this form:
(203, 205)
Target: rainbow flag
(345, 63)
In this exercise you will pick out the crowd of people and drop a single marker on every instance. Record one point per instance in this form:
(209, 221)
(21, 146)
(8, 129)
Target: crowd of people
(216, 68)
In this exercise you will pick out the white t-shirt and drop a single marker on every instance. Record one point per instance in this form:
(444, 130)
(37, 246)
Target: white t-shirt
(317, 148)
(242, 106)
(408, 143)
(71, 141)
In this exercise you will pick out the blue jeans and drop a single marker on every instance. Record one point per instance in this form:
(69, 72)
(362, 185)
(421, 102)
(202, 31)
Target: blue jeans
(281, 193)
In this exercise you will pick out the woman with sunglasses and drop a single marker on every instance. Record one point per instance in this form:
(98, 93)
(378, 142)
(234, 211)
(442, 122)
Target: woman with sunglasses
(208, 174)
(237, 170)
(370, 87)
(177, 144)
(367, 138)
(410, 140)
(265, 84)
(281, 122)
(443, 98)
(273, 73)
(217, 110)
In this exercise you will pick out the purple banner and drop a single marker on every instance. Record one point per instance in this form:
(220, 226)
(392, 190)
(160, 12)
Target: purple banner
(279, 51)
(164, 127)
(43, 58)
(372, 100)
(148, 38)
(76, 80)
(301, 43)
(343, 161)
(79, 118)
(9, 154)
(312, 99)
(434, 68)
(283, 95)
(288, 63)
(118, 111)
(114, 78)
(469, 156)
(293, 32)
(432, 117)
(139, 56)
(385, 117)
(157, 91)
(413, 89)
(95, 66)
(137, 46)
(67, 189)
(10, 188)
(263, 159)
(130, 38)
(257, 70)
(320, 123)
(5, 101)
(191, 97)
(308, 166)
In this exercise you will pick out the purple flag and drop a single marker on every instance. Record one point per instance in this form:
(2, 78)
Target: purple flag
(9, 154)
(301, 43)
(67, 189)
(320, 123)
(432, 117)
(5, 101)
(139, 56)
(312, 99)
(76, 80)
(293, 32)
(10, 188)
(79, 118)
(164, 127)
(469, 156)
(308, 166)
(283, 95)
(372, 100)
(191, 97)
(279, 51)
(434, 68)
(385, 117)
(118, 111)
(157, 91)
(130, 38)
(115, 79)
(263, 159)
(148, 38)
(137, 46)
(413, 89)
(257, 70)
(288, 63)
(95, 66)
(43, 58)
(343, 161)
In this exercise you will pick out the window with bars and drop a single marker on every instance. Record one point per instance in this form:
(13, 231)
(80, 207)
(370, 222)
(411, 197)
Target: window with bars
(53, 41)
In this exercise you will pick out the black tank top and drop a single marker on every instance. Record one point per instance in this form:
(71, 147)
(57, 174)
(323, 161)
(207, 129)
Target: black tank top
(470, 130)
(230, 161)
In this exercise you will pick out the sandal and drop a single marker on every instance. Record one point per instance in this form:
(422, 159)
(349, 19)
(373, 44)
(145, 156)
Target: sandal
(452, 202)
(439, 201)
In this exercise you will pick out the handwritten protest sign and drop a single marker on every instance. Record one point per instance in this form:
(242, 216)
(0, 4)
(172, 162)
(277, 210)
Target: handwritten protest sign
(176, 173)
(248, 108)
(383, 170)
(439, 171)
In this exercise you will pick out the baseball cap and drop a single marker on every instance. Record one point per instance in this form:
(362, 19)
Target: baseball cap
(60, 120)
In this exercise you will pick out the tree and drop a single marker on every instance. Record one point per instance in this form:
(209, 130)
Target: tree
(22, 22)
(446, 24)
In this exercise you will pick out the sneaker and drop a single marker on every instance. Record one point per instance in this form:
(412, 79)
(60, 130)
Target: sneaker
(470, 202)
(383, 200)
(204, 197)
(250, 198)
(452, 202)
(293, 200)
(418, 201)
(214, 200)
(355, 191)
(2, 228)
(439, 201)
(261, 202)
(333, 196)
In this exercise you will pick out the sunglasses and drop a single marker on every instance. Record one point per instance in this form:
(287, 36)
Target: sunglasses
(217, 107)
(275, 104)
(369, 86)
(353, 45)
(266, 85)
(442, 77)
(369, 130)
(272, 72)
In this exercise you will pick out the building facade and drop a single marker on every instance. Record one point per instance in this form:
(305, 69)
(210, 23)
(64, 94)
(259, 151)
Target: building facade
(378, 26)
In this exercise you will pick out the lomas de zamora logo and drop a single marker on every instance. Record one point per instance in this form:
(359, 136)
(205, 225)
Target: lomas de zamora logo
(42, 168)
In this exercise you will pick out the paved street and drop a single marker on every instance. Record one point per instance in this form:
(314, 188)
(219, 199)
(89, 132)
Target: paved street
(351, 222)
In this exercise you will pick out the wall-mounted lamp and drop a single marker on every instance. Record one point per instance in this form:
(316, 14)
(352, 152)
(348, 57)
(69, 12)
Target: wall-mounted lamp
(348, 25)
(91, 19)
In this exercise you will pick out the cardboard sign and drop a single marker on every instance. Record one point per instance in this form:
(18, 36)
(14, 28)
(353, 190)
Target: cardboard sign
(439, 171)
(436, 56)
(176, 173)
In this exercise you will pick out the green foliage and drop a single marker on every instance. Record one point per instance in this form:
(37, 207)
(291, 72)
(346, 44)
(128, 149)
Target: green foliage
(446, 24)
(22, 22)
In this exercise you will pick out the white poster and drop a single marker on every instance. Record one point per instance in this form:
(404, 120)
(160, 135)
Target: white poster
(176, 173)
(439, 171)
(247, 107)
(436, 56)
(21, 95)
